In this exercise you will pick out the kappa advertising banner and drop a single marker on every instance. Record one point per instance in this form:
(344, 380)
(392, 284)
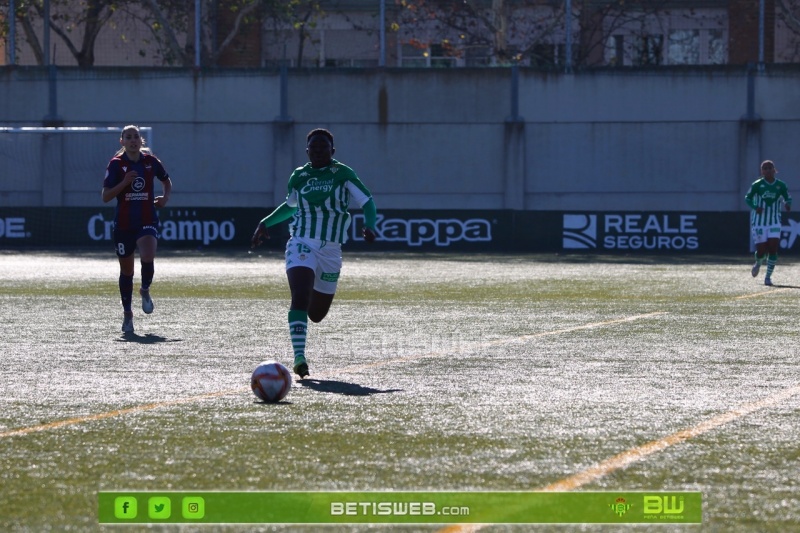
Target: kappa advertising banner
(438, 230)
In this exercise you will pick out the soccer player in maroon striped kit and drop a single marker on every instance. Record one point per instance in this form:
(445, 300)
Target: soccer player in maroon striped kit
(130, 178)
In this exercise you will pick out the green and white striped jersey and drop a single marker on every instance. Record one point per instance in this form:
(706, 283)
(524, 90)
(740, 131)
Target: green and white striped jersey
(770, 197)
(322, 197)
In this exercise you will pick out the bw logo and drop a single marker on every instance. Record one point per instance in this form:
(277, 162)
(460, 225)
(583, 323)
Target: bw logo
(580, 232)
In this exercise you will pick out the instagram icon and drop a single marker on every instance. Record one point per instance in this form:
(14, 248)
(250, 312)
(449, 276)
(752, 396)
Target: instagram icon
(193, 507)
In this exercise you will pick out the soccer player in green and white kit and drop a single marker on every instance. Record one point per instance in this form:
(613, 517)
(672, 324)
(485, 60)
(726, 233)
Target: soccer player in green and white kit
(318, 200)
(766, 197)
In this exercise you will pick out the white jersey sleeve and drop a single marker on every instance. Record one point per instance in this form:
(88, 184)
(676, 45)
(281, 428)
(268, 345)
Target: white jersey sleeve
(357, 194)
(291, 198)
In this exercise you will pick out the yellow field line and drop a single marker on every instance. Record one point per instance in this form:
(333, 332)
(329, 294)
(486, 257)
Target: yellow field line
(762, 293)
(118, 412)
(151, 406)
(638, 453)
(585, 326)
(498, 342)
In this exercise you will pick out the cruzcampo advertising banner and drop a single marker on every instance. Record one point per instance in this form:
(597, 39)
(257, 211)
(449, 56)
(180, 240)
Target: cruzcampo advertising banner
(215, 228)
(400, 507)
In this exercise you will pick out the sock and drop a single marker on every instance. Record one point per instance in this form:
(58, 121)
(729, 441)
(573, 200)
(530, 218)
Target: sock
(759, 258)
(772, 259)
(148, 269)
(298, 325)
(126, 291)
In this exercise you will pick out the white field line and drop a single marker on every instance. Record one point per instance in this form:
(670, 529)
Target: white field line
(157, 405)
(633, 455)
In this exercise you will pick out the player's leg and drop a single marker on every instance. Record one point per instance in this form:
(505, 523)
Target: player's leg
(320, 305)
(772, 258)
(125, 244)
(329, 266)
(760, 241)
(147, 244)
(301, 283)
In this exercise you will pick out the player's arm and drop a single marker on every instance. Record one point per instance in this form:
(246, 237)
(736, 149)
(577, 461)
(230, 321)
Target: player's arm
(787, 199)
(281, 213)
(363, 198)
(370, 219)
(166, 187)
(112, 191)
(749, 198)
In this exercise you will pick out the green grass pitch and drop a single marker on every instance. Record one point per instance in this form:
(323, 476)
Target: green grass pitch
(431, 372)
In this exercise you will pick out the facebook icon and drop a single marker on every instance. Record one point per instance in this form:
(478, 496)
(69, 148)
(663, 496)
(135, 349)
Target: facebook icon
(125, 507)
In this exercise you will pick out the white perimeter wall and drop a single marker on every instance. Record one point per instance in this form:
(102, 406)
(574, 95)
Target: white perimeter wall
(425, 139)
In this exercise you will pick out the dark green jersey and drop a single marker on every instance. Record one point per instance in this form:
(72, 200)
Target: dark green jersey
(322, 197)
(770, 197)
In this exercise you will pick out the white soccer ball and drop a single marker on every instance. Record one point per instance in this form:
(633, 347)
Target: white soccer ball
(271, 381)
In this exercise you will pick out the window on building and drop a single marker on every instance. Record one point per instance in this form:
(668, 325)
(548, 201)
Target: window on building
(434, 55)
(440, 57)
(684, 47)
(351, 63)
(543, 55)
(412, 55)
(648, 50)
(717, 54)
(477, 56)
(616, 51)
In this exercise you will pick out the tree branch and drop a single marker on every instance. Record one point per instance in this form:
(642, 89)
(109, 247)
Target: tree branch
(172, 40)
(235, 30)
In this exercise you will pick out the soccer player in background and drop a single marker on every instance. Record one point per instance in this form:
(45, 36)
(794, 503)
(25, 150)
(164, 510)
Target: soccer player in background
(130, 178)
(765, 198)
(317, 202)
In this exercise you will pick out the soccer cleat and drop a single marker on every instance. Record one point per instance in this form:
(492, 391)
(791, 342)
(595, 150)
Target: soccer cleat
(300, 366)
(147, 302)
(768, 282)
(127, 323)
(755, 269)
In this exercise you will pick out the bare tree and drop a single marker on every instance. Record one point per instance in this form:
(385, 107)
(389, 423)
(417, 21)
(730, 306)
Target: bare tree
(169, 23)
(471, 23)
(298, 16)
(172, 25)
(788, 11)
(222, 22)
(533, 32)
(66, 18)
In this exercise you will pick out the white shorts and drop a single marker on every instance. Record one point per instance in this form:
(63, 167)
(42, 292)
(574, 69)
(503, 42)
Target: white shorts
(323, 257)
(762, 233)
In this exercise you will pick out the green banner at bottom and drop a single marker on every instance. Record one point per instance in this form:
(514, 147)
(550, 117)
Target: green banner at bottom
(400, 507)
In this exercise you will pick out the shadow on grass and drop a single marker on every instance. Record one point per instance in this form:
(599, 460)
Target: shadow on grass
(779, 286)
(282, 402)
(145, 339)
(341, 387)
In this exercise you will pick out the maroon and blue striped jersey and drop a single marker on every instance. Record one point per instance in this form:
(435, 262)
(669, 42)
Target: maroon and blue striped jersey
(135, 206)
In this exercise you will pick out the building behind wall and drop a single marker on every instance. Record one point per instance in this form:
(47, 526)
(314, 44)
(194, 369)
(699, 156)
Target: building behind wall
(347, 33)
